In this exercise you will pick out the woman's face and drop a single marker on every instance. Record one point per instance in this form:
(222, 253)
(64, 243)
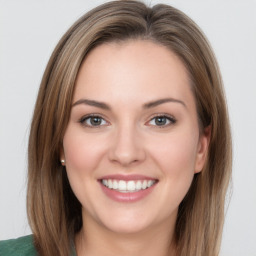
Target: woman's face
(132, 145)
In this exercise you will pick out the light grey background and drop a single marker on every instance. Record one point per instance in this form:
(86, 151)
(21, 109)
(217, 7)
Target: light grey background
(29, 30)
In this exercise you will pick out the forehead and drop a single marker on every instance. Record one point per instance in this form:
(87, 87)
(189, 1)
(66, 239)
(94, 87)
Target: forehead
(131, 70)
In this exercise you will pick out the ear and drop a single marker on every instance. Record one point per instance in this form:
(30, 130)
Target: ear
(202, 149)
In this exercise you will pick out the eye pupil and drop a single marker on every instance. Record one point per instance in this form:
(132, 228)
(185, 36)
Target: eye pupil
(95, 121)
(160, 120)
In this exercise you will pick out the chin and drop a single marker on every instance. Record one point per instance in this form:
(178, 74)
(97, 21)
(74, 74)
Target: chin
(121, 222)
(127, 228)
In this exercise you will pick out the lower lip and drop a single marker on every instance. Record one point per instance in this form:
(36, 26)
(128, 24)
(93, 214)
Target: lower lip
(129, 196)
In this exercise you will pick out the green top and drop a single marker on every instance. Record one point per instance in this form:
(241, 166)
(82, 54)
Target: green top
(22, 246)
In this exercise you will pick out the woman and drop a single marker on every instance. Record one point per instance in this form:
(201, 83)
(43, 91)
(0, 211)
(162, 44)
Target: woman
(130, 147)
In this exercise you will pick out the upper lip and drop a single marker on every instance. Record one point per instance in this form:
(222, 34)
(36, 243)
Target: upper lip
(126, 177)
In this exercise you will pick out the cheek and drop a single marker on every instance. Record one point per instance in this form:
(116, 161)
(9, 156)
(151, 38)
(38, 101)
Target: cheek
(176, 154)
(176, 160)
(82, 153)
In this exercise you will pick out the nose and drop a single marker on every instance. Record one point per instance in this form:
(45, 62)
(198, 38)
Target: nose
(127, 146)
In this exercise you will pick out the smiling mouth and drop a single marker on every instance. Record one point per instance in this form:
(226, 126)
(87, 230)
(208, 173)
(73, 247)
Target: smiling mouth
(130, 186)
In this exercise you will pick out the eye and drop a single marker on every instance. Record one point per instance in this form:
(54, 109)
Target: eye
(162, 121)
(93, 121)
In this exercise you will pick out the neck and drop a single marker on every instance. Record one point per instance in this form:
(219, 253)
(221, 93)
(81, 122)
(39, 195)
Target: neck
(94, 240)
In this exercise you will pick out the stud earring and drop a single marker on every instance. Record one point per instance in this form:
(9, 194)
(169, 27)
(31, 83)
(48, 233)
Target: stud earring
(62, 161)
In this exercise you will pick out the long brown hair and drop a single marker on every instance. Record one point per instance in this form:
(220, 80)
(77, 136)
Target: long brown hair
(53, 210)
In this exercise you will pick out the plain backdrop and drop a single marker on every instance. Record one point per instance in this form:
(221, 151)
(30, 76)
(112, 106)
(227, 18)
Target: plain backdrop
(29, 30)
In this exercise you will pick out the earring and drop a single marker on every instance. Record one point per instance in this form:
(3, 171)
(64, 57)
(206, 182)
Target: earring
(62, 161)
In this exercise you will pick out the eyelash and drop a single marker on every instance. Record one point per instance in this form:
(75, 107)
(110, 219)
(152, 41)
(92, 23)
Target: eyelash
(167, 118)
(88, 117)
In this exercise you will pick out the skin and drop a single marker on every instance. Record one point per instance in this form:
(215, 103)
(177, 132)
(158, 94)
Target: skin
(126, 77)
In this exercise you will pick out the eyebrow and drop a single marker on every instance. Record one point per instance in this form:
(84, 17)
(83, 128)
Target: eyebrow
(162, 101)
(93, 103)
(148, 105)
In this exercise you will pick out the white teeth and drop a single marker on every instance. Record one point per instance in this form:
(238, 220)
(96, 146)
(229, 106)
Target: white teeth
(138, 185)
(115, 184)
(150, 183)
(122, 185)
(131, 185)
(144, 184)
(128, 186)
(110, 184)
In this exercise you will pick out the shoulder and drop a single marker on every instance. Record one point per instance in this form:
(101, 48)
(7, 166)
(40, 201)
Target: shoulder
(22, 246)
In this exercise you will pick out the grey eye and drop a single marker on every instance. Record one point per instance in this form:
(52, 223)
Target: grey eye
(162, 121)
(93, 121)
